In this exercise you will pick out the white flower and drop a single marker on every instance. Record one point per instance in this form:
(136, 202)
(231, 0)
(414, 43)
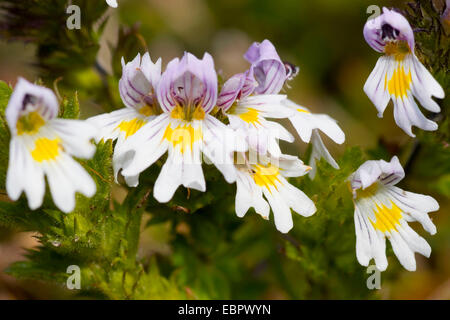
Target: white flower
(187, 92)
(137, 90)
(42, 145)
(112, 3)
(399, 75)
(307, 125)
(383, 211)
(268, 177)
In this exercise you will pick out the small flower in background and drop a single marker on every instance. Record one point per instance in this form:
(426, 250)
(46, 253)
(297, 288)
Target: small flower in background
(249, 98)
(307, 125)
(187, 92)
(267, 176)
(42, 145)
(112, 3)
(137, 90)
(398, 74)
(383, 210)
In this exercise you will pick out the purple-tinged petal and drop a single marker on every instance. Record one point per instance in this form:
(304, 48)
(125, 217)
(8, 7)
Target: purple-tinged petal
(388, 173)
(138, 81)
(189, 82)
(269, 70)
(28, 97)
(389, 27)
(238, 86)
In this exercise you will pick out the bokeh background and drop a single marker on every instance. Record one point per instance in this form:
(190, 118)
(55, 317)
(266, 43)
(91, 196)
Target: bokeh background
(322, 37)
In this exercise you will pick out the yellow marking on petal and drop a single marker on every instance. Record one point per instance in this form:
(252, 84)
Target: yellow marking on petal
(303, 110)
(400, 82)
(187, 113)
(131, 127)
(183, 135)
(147, 111)
(29, 123)
(45, 149)
(266, 176)
(199, 113)
(386, 219)
(397, 49)
(250, 116)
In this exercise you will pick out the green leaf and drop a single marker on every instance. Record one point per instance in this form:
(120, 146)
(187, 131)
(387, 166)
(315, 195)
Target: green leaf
(70, 107)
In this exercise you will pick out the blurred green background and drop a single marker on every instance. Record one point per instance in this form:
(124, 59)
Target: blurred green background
(324, 38)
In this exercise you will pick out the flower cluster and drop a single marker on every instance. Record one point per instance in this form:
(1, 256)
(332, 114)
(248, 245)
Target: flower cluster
(179, 112)
(185, 113)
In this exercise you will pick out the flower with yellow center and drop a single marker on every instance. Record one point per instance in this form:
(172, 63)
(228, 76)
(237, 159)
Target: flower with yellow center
(42, 145)
(137, 90)
(383, 211)
(398, 75)
(187, 93)
(268, 177)
(248, 99)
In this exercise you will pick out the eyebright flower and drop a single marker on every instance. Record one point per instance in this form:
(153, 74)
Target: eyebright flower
(187, 92)
(398, 74)
(137, 90)
(383, 211)
(42, 145)
(267, 176)
(249, 98)
(307, 125)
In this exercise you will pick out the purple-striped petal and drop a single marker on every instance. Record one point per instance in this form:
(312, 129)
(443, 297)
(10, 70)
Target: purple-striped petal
(189, 82)
(388, 173)
(389, 27)
(28, 97)
(238, 86)
(138, 81)
(268, 68)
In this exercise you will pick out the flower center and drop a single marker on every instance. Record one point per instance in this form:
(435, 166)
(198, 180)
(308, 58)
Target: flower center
(188, 113)
(29, 123)
(397, 49)
(367, 192)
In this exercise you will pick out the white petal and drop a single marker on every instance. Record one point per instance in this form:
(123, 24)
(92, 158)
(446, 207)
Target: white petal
(416, 206)
(414, 241)
(403, 252)
(407, 114)
(281, 211)
(108, 123)
(169, 179)
(363, 239)
(148, 145)
(375, 84)
(319, 151)
(269, 105)
(219, 143)
(24, 174)
(76, 136)
(297, 200)
(65, 178)
(425, 86)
